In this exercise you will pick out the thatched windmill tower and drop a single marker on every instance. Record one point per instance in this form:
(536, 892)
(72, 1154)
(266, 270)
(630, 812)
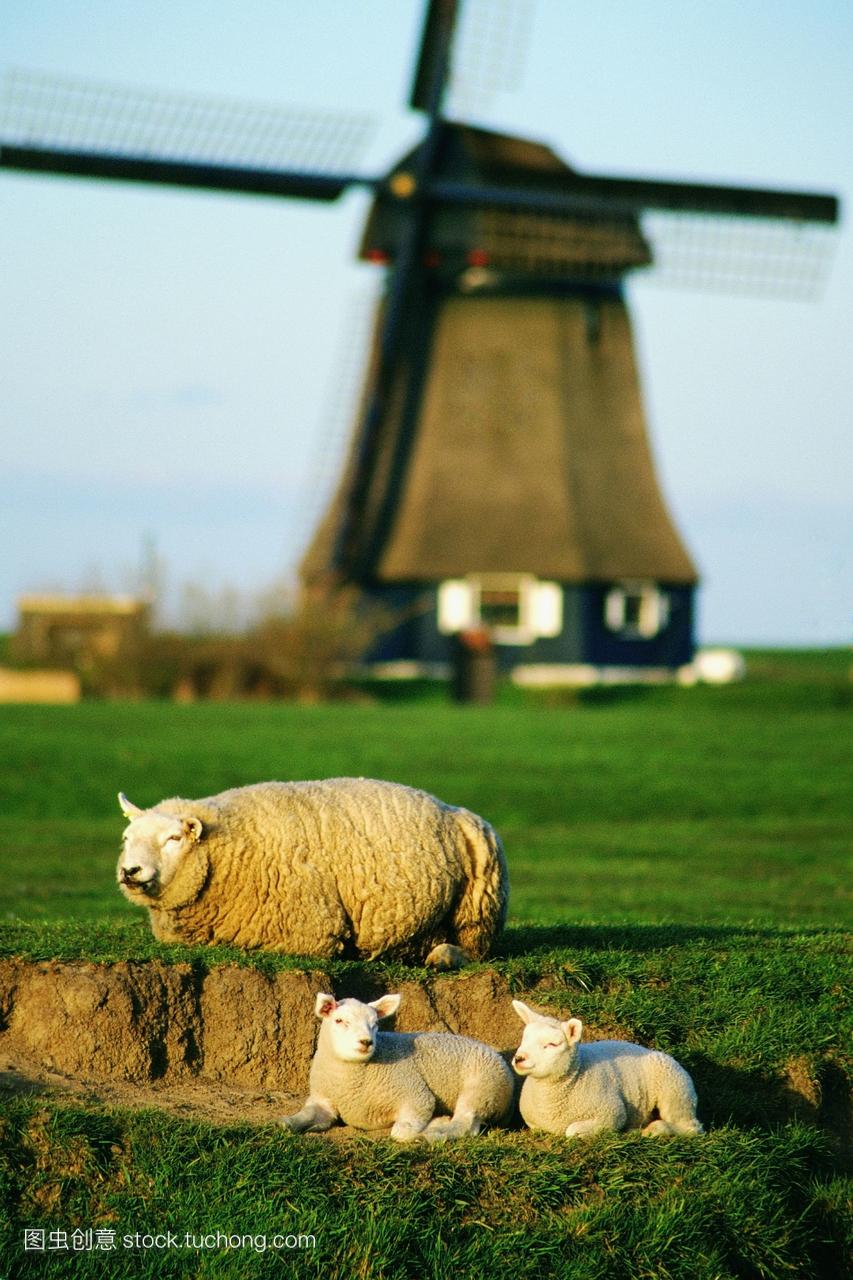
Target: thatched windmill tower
(503, 476)
(500, 471)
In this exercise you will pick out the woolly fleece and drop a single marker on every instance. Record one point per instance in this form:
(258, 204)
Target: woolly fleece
(343, 866)
(411, 1077)
(610, 1084)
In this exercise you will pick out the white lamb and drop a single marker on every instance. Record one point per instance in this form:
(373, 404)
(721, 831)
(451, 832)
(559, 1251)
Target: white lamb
(371, 1079)
(346, 866)
(573, 1088)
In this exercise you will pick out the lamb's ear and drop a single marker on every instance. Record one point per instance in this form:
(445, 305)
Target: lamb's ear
(573, 1030)
(129, 810)
(324, 1004)
(193, 828)
(526, 1014)
(386, 1005)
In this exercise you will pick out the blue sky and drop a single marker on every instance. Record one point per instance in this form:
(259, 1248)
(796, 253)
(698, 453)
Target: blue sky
(179, 367)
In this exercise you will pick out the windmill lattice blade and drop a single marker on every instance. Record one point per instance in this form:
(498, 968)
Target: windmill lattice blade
(341, 399)
(489, 53)
(757, 258)
(75, 115)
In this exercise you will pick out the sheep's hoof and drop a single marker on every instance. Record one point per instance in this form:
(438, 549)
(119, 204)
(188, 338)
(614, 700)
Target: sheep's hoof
(405, 1133)
(446, 1127)
(438, 1130)
(446, 956)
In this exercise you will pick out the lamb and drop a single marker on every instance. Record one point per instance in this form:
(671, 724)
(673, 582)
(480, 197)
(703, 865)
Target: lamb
(341, 867)
(371, 1079)
(576, 1089)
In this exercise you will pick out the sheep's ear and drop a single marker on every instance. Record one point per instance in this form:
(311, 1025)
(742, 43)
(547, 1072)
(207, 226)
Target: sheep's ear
(386, 1005)
(324, 1004)
(573, 1030)
(526, 1014)
(193, 828)
(129, 810)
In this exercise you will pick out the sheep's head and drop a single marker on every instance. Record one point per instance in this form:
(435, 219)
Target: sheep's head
(162, 863)
(548, 1047)
(351, 1027)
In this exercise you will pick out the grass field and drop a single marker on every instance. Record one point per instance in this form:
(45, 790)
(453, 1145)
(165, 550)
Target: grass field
(705, 805)
(680, 866)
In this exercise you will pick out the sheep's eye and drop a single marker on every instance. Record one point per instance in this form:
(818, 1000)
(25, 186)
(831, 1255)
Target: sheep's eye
(552, 1046)
(168, 838)
(339, 1021)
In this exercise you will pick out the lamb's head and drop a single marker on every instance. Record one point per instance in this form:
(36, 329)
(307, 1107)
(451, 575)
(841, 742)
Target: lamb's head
(163, 862)
(350, 1027)
(548, 1047)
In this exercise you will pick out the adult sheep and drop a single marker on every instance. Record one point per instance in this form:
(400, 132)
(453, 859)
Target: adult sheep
(340, 867)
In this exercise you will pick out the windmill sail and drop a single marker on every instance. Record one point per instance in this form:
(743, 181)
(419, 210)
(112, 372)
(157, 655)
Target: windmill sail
(80, 127)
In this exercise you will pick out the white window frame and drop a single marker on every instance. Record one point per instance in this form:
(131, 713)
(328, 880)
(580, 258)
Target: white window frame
(540, 606)
(652, 616)
(456, 606)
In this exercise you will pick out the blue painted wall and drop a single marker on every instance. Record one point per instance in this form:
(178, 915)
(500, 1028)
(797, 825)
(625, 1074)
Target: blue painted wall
(585, 636)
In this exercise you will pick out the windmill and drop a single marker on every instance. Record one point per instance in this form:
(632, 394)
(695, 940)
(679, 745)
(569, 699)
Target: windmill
(500, 472)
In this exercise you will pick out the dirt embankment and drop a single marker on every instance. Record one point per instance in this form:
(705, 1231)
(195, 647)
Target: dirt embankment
(227, 1044)
(233, 1044)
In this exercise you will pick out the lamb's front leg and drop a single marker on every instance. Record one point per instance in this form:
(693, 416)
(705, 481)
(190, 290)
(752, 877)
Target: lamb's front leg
(317, 1115)
(450, 1127)
(411, 1121)
(612, 1120)
(463, 1123)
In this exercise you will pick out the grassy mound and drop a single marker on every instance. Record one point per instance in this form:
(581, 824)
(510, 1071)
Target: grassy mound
(761, 1017)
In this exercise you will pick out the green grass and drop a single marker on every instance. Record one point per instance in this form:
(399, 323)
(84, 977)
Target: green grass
(682, 805)
(617, 1208)
(680, 862)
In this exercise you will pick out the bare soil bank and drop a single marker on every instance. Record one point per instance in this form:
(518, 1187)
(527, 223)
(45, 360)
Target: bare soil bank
(233, 1044)
(224, 1045)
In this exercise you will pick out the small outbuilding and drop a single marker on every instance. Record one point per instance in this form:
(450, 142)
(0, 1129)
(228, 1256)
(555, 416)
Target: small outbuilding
(79, 631)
